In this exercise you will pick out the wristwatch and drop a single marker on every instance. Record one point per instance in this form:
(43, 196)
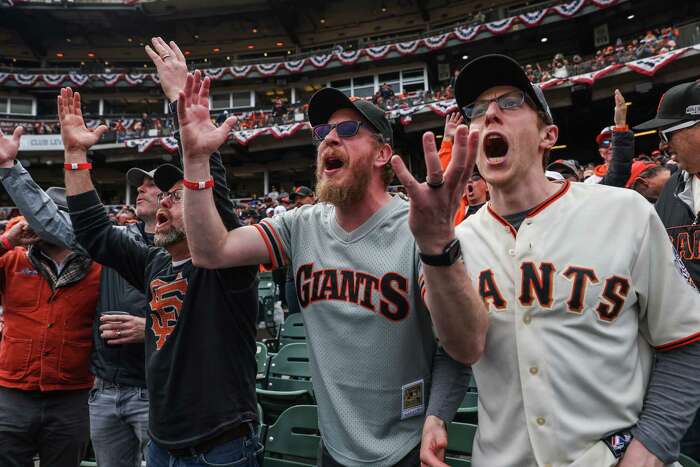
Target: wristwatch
(448, 257)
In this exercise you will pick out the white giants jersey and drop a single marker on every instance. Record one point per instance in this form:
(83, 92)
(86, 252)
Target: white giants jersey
(578, 299)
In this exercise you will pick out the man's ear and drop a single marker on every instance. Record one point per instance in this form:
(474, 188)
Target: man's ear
(384, 156)
(550, 134)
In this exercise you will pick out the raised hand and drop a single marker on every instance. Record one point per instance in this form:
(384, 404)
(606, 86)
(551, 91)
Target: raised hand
(171, 66)
(620, 110)
(77, 138)
(452, 121)
(199, 136)
(21, 235)
(432, 208)
(9, 147)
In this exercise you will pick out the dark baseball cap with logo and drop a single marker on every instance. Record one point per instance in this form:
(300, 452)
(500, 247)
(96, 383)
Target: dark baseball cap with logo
(327, 101)
(301, 191)
(679, 104)
(488, 71)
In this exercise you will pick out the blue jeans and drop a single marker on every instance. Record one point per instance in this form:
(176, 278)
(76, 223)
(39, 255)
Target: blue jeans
(118, 424)
(241, 452)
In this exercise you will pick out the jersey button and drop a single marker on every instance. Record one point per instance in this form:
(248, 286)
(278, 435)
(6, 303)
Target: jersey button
(533, 370)
(527, 319)
(540, 421)
(511, 252)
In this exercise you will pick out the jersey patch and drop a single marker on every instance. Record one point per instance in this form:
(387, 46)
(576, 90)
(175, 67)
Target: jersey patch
(412, 399)
(618, 443)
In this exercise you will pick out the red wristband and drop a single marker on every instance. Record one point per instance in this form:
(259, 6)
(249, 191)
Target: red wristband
(6, 242)
(76, 166)
(204, 185)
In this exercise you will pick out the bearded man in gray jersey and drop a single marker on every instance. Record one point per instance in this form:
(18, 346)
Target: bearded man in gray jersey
(373, 274)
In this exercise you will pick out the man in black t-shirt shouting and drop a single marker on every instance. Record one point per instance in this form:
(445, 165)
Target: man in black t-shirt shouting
(197, 330)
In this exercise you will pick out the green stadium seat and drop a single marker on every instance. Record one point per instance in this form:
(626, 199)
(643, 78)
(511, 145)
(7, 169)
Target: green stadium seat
(293, 330)
(262, 359)
(288, 382)
(468, 409)
(459, 444)
(293, 440)
(687, 461)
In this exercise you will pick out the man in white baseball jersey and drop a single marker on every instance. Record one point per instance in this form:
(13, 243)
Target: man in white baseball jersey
(360, 258)
(582, 288)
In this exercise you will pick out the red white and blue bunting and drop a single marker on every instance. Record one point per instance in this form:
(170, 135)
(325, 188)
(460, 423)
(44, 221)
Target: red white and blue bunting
(649, 66)
(461, 33)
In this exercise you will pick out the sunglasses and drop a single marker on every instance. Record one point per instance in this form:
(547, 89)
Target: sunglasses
(175, 196)
(605, 144)
(346, 129)
(509, 101)
(665, 135)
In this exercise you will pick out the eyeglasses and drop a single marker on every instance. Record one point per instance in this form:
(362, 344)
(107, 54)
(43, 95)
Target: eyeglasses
(175, 196)
(665, 135)
(346, 129)
(508, 101)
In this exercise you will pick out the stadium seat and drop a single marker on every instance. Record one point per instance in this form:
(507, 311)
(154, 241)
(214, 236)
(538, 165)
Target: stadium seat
(468, 409)
(294, 438)
(459, 444)
(288, 381)
(687, 461)
(293, 330)
(262, 359)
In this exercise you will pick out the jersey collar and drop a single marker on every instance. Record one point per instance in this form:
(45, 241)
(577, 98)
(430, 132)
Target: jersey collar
(534, 211)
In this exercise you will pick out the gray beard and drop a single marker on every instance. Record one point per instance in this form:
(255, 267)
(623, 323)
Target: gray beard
(169, 237)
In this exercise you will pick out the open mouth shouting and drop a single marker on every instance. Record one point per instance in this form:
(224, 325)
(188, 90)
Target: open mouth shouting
(495, 148)
(332, 164)
(162, 220)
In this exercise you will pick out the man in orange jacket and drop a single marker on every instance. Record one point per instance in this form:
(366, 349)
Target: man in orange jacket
(476, 192)
(49, 296)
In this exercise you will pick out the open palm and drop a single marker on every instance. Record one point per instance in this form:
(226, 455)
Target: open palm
(75, 135)
(200, 137)
(9, 146)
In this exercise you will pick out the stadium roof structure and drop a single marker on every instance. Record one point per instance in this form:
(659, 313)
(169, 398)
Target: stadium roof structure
(48, 33)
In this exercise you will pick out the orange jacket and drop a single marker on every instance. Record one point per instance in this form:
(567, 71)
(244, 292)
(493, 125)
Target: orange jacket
(445, 155)
(47, 339)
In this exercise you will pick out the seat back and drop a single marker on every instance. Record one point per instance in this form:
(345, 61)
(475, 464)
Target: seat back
(294, 438)
(459, 444)
(293, 330)
(289, 369)
(687, 461)
(262, 361)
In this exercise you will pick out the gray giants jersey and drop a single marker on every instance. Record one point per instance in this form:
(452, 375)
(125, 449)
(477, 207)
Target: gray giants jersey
(369, 334)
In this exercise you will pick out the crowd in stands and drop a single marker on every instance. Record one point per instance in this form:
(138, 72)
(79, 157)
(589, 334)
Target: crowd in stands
(652, 43)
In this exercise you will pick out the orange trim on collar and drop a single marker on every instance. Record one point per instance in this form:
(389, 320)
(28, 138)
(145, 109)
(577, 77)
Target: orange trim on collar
(500, 219)
(601, 170)
(534, 211)
(540, 207)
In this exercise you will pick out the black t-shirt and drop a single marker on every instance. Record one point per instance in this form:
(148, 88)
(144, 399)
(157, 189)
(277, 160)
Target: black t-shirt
(200, 331)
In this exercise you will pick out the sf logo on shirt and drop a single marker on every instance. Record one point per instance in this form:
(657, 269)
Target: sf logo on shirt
(165, 306)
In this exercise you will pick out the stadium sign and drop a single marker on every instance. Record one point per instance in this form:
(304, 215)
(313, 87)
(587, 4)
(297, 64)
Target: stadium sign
(41, 143)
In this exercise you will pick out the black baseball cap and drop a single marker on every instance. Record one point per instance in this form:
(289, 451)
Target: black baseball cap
(488, 71)
(302, 191)
(680, 103)
(328, 100)
(136, 175)
(167, 175)
(566, 165)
